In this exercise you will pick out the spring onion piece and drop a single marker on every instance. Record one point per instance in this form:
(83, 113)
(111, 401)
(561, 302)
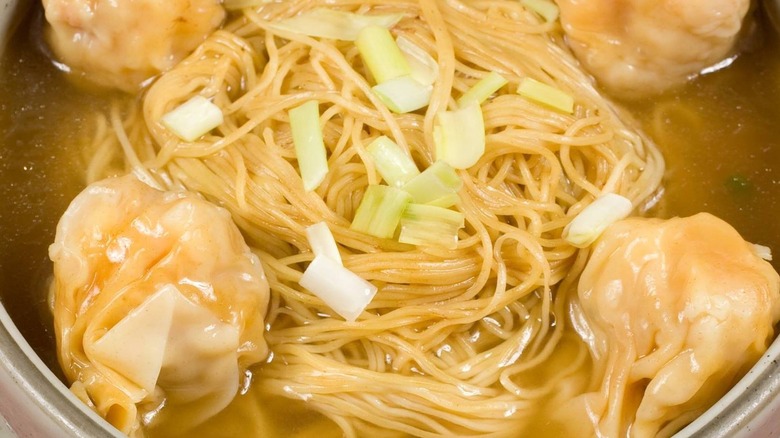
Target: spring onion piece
(437, 185)
(333, 24)
(380, 211)
(381, 54)
(195, 117)
(459, 136)
(431, 226)
(341, 289)
(588, 225)
(483, 89)
(425, 69)
(403, 94)
(309, 146)
(322, 241)
(763, 251)
(445, 201)
(395, 165)
(545, 8)
(546, 95)
(396, 87)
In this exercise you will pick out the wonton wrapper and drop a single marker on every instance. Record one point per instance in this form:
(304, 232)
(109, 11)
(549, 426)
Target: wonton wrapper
(157, 298)
(675, 312)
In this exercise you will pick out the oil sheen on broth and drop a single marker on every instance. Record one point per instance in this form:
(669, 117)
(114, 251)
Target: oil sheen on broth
(717, 135)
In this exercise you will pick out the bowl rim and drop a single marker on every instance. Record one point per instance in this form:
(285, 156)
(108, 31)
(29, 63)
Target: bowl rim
(749, 408)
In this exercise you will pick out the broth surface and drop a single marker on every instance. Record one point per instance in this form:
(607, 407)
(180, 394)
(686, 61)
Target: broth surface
(718, 135)
(40, 117)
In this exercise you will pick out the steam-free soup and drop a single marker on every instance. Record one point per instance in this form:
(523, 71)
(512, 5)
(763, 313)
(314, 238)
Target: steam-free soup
(717, 135)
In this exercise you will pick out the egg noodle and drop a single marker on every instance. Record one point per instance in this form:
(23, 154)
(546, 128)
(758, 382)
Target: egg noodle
(462, 342)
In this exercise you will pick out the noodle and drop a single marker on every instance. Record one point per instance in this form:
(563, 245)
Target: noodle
(453, 341)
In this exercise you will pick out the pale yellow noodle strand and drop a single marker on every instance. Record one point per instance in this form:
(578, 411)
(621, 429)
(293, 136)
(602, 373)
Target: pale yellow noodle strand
(455, 341)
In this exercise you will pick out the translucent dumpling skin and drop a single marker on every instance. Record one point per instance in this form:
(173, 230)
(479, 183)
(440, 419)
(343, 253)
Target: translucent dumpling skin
(676, 310)
(646, 46)
(158, 305)
(121, 43)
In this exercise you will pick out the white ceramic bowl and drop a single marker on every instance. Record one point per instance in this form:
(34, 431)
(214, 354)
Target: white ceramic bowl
(35, 403)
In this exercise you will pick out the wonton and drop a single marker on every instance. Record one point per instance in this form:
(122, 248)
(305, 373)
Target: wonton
(157, 302)
(674, 312)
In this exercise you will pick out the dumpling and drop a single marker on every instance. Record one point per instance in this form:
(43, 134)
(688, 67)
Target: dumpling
(646, 46)
(158, 304)
(674, 312)
(121, 43)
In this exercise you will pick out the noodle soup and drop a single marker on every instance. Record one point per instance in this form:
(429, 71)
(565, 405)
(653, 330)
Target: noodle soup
(716, 136)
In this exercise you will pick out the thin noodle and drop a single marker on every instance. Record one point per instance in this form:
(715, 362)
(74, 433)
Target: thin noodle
(454, 341)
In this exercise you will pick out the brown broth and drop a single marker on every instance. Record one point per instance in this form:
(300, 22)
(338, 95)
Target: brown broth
(40, 167)
(719, 136)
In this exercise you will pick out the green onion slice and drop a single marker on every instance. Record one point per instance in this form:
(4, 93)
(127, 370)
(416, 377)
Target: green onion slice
(445, 201)
(322, 241)
(381, 54)
(545, 8)
(762, 251)
(380, 211)
(192, 119)
(403, 94)
(431, 226)
(424, 69)
(483, 89)
(547, 95)
(341, 289)
(309, 145)
(333, 24)
(437, 185)
(588, 225)
(459, 136)
(395, 165)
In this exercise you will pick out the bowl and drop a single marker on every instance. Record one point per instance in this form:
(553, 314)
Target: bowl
(35, 403)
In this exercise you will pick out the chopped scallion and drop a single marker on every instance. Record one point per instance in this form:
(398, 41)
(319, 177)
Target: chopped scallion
(338, 287)
(425, 69)
(333, 24)
(459, 136)
(445, 201)
(430, 225)
(380, 211)
(547, 95)
(381, 54)
(762, 251)
(403, 94)
(437, 185)
(545, 8)
(395, 165)
(192, 119)
(588, 225)
(309, 145)
(483, 89)
(322, 241)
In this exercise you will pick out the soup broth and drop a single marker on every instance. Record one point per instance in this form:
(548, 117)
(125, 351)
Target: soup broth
(718, 136)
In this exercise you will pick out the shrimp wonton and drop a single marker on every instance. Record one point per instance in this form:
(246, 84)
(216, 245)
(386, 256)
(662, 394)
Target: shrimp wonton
(157, 300)
(676, 311)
